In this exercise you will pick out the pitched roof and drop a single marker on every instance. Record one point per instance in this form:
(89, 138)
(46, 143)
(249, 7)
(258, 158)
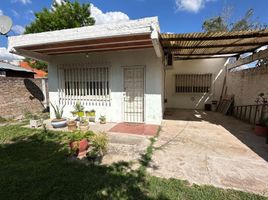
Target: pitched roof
(38, 73)
(8, 66)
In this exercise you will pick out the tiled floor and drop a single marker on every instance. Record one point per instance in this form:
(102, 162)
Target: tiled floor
(138, 129)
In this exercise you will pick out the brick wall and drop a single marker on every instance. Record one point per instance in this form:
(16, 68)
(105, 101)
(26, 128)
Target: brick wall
(246, 85)
(15, 99)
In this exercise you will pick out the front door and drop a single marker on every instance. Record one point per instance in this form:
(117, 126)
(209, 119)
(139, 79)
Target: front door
(134, 94)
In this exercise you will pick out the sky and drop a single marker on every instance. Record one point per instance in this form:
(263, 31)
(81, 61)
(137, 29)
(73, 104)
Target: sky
(177, 16)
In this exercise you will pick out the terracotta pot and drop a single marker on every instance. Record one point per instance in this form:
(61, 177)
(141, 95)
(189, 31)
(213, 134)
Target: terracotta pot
(71, 125)
(83, 127)
(261, 130)
(80, 147)
(83, 145)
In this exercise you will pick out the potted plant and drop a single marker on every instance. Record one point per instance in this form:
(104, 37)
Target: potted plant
(91, 115)
(83, 125)
(102, 119)
(79, 109)
(58, 122)
(261, 128)
(35, 122)
(99, 143)
(79, 143)
(71, 125)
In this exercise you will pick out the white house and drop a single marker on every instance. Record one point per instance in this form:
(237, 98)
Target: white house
(125, 71)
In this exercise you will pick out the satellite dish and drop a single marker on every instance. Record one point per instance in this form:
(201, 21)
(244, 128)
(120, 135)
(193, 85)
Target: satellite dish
(5, 24)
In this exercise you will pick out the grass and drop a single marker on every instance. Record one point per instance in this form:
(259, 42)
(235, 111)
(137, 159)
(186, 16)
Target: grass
(34, 165)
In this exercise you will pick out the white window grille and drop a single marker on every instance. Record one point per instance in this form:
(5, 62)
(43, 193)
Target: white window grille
(2, 74)
(86, 84)
(193, 83)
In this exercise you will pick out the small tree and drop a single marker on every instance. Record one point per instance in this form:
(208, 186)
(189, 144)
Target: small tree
(60, 16)
(223, 23)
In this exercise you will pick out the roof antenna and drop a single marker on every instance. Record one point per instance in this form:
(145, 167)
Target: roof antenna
(5, 24)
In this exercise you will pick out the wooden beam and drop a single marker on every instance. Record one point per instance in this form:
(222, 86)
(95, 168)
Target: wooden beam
(174, 47)
(81, 43)
(30, 54)
(102, 50)
(256, 56)
(204, 57)
(210, 54)
(210, 36)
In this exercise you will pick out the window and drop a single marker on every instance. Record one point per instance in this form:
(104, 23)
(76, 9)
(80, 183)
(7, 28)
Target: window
(193, 83)
(88, 85)
(2, 74)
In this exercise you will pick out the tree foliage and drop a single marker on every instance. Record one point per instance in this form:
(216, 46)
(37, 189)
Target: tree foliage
(61, 16)
(223, 23)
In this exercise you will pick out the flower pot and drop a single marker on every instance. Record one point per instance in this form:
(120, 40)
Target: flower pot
(71, 125)
(80, 147)
(91, 116)
(35, 123)
(103, 122)
(59, 123)
(261, 130)
(80, 114)
(95, 159)
(83, 127)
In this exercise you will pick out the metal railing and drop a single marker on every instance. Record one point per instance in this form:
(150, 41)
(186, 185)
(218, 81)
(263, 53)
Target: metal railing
(249, 113)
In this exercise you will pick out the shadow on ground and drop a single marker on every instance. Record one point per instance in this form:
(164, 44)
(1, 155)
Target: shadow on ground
(36, 167)
(241, 130)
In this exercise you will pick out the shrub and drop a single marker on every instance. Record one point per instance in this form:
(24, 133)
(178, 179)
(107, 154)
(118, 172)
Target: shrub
(100, 143)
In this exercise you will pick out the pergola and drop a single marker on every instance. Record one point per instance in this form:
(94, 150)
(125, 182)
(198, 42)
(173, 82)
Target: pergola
(189, 46)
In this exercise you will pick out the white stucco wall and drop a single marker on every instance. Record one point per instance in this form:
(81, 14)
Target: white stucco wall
(194, 100)
(117, 61)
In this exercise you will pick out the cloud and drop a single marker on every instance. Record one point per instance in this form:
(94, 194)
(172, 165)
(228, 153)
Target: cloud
(5, 55)
(15, 13)
(1, 12)
(59, 1)
(191, 5)
(108, 17)
(22, 1)
(18, 29)
(99, 16)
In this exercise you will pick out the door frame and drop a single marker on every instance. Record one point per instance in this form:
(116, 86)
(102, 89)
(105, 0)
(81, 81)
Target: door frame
(144, 89)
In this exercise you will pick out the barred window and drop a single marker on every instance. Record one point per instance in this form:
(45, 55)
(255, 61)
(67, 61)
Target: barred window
(2, 73)
(86, 84)
(193, 83)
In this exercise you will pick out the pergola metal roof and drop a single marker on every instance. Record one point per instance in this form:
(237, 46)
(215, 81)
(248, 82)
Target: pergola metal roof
(213, 44)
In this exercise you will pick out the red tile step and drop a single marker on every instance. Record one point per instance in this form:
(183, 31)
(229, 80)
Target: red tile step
(133, 128)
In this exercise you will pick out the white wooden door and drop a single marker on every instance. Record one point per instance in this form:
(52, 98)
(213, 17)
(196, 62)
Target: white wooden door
(134, 95)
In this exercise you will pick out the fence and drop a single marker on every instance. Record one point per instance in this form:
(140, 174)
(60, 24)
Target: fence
(250, 113)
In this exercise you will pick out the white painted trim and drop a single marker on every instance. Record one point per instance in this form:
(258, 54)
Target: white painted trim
(127, 28)
(156, 43)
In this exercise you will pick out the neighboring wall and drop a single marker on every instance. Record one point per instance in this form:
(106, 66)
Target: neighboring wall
(117, 60)
(246, 85)
(15, 99)
(194, 100)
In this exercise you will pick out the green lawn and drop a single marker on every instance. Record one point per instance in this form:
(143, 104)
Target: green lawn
(34, 165)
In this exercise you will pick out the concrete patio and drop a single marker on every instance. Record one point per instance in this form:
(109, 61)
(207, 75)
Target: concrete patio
(209, 148)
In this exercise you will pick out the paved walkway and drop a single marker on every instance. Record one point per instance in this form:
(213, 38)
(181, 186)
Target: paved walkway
(209, 148)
